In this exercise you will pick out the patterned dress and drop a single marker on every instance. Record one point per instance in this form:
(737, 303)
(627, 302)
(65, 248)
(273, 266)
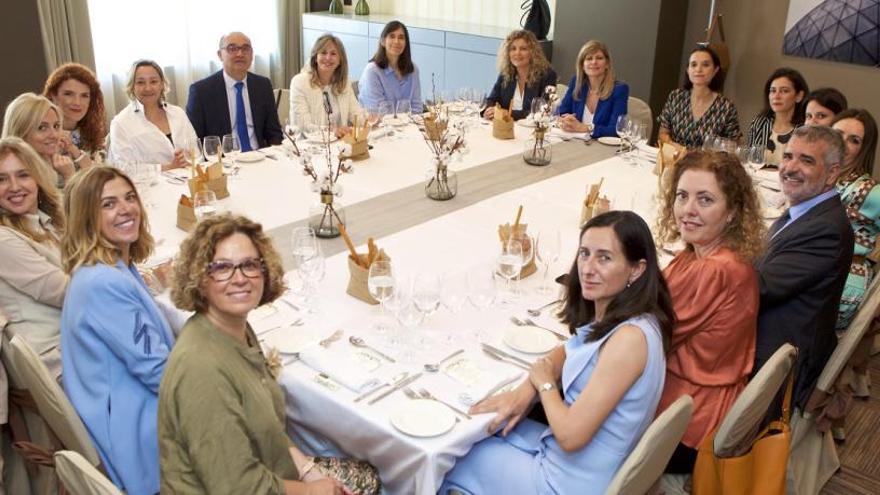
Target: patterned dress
(861, 198)
(719, 120)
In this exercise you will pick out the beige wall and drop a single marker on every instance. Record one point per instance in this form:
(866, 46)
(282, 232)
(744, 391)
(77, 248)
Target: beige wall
(754, 30)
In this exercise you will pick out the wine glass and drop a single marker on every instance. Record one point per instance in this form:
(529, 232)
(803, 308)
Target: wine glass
(204, 204)
(481, 288)
(403, 114)
(622, 128)
(509, 264)
(638, 135)
(547, 248)
(231, 147)
(192, 150)
(756, 158)
(426, 293)
(211, 147)
(381, 283)
(453, 291)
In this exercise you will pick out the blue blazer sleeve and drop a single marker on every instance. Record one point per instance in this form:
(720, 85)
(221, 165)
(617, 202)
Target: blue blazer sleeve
(607, 111)
(118, 316)
(495, 96)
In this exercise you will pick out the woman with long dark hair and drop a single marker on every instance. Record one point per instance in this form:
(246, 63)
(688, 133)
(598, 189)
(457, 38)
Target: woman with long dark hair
(391, 75)
(599, 390)
(784, 106)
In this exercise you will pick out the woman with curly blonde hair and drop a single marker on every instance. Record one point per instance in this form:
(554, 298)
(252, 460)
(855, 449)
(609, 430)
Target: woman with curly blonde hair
(523, 74)
(76, 91)
(711, 205)
(226, 268)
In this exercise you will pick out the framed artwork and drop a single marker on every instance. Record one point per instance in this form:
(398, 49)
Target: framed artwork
(838, 30)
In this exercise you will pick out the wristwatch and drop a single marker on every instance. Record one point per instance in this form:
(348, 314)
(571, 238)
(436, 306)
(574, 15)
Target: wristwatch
(546, 386)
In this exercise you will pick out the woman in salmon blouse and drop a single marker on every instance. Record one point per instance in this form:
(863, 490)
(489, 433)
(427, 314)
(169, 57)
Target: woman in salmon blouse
(710, 204)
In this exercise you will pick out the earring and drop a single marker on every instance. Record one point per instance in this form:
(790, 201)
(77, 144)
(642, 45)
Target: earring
(628, 283)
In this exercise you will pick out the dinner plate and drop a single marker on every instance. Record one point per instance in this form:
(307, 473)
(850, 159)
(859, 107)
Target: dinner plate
(526, 122)
(531, 340)
(250, 156)
(293, 339)
(610, 140)
(423, 418)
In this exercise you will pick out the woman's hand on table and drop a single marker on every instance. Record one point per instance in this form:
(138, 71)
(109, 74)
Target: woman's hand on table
(509, 406)
(342, 131)
(569, 123)
(489, 113)
(179, 161)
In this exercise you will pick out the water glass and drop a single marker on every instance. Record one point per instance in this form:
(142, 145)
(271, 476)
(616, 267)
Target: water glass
(205, 204)
(547, 246)
(509, 265)
(231, 146)
(381, 283)
(211, 147)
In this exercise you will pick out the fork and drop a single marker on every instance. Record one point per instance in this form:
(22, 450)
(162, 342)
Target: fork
(427, 395)
(528, 322)
(415, 396)
(331, 339)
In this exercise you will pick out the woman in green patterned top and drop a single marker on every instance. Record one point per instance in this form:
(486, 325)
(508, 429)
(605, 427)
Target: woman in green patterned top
(861, 197)
(698, 110)
(221, 412)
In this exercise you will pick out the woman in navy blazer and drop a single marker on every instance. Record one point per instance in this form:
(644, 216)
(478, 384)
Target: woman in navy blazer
(114, 339)
(593, 87)
(524, 73)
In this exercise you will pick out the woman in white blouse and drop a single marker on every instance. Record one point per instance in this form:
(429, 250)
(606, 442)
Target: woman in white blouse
(32, 283)
(149, 130)
(326, 74)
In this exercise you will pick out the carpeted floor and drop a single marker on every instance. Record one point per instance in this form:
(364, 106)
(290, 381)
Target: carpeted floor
(860, 454)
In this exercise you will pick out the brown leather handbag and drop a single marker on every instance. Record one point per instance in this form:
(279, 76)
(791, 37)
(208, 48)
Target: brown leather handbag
(761, 470)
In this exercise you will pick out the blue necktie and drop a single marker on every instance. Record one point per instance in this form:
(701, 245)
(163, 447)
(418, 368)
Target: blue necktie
(241, 119)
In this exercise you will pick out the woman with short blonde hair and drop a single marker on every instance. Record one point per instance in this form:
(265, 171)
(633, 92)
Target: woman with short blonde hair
(114, 338)
(523, 74)
(37, 120)
(32, 283)
(594, 99)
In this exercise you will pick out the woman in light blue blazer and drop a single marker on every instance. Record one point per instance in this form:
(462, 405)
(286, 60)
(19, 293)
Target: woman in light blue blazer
(594, 99)
(599, 390)
(114, 339)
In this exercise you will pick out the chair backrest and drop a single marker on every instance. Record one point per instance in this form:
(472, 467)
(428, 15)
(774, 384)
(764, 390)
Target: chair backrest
(639, 111)
(282, 104)
(846, 345)
(355, 87)
(645, 464)
(560, 90)
(26, 371)
(81, 478)
(746, 414)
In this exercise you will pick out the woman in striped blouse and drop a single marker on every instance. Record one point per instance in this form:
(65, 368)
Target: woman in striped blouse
(784, 105)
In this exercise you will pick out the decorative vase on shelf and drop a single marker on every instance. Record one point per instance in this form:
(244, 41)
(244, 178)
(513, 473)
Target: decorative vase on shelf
(538, 150)
(326, 215)
(441, 183)
(335, 7)
(362, 8)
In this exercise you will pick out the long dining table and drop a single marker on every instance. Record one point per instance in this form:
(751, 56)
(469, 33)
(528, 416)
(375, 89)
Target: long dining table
(455, 239)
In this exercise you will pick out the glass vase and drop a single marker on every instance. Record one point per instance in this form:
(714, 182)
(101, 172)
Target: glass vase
(537, 150)
(335, 7)
(326, 215)
(442, 184)
(362, 8)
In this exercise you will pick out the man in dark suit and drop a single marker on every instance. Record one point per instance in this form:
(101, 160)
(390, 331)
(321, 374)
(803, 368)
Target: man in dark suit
(234, 100)
(808, 255)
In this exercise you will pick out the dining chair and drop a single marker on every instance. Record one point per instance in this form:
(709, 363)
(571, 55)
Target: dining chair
(813, 459)
(282, 104)
(80, 477)
(645, 464)
(639, 111)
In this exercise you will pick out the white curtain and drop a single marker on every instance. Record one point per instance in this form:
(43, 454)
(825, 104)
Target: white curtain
(183, 37)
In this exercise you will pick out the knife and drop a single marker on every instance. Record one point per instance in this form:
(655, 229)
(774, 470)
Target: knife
(373, 390)
(506, 355)
(498, 357)
(395, 388)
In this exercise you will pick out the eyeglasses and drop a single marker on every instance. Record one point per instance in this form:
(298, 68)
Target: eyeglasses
(238, 48)
(221, 271)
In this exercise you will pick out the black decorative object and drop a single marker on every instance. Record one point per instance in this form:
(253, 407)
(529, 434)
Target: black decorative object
(536, 17)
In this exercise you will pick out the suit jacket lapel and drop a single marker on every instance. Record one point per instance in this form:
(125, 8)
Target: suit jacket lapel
(818, 210)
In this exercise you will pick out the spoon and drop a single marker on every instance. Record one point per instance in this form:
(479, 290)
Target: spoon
(433, 368)
(359, 342)
(427, 395)
(537, 311)
(529, 323)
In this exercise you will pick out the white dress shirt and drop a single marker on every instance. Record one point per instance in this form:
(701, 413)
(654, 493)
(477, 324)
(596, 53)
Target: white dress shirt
(230, 97)
(307, 102)
(134, 139)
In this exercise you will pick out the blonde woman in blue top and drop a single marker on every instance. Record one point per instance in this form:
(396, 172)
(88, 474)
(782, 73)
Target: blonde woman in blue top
(594, 99)
(599, 391)
(391, 76)
(114, 339)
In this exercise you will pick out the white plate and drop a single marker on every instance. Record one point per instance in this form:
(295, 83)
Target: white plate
(423, 418)
(293, 339)
(531, 340)
(609, 140)
(526, 122)
(249, 156)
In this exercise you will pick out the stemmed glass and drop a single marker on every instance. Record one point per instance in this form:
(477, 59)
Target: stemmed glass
(231, 147)
(509, 264)
(638, 135)
(204, 204)
(547, 247)
(385, 111)
(453, 291)
(211, 146)
(381, 284)
(622, 127)
(481, 288)
(756, 158)
(308, 263)
(402, 116)
(192, 150)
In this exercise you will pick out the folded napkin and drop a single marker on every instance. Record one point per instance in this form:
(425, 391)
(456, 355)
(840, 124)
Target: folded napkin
(565, 135)
(339, 364)
(648, 152)
(480, 379)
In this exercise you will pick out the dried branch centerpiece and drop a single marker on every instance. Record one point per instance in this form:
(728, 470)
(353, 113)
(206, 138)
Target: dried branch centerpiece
(446, 140)
(538, 151)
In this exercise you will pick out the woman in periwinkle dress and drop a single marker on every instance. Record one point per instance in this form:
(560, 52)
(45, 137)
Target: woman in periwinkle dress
(599, 390)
